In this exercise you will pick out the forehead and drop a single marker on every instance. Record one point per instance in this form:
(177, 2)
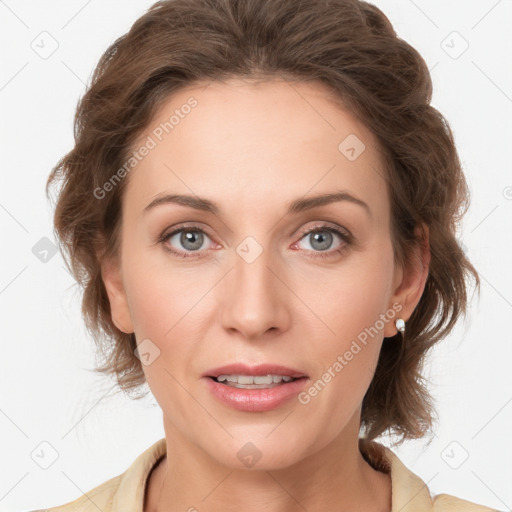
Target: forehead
(252, 142)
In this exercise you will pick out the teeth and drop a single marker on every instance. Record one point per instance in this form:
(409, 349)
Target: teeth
(258, 379)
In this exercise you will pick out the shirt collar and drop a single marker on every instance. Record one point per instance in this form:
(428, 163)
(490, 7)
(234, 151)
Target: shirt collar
(409, 492)
(129, 496)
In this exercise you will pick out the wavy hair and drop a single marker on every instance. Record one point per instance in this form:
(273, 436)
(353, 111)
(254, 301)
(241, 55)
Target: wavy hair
(349, 46)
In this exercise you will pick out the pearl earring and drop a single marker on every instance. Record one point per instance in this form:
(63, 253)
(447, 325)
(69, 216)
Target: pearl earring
(400, 324)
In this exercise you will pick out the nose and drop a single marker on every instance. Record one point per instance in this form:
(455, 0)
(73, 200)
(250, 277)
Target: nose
(255, 298)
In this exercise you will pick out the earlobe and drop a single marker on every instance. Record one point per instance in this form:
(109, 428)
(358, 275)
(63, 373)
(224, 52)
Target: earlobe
(112, 280)
(412, 279)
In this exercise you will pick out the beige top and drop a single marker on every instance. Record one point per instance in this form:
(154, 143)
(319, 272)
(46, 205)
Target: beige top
(125, 492)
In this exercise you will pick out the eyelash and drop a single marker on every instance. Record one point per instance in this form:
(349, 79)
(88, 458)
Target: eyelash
(345, 237)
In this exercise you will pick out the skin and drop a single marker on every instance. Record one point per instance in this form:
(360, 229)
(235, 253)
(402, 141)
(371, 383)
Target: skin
(252, 148)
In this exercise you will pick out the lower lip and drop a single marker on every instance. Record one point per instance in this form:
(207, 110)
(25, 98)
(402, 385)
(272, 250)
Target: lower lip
(255, 400)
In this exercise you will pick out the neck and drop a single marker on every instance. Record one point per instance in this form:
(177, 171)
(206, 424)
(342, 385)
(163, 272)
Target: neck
(334, 478)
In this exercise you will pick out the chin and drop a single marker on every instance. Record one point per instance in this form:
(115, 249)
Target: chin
(255, 453)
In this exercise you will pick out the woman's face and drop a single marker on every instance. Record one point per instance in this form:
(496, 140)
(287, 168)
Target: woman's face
(238, 279)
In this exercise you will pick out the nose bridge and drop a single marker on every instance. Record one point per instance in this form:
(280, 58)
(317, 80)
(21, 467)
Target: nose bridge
(253, 300)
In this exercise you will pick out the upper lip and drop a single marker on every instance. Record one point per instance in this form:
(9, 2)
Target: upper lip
(260, 369)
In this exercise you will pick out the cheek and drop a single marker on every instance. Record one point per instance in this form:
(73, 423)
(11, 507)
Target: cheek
(353, 308)
(350, 301)
(158, 295)
(172, 309)
(153, 305)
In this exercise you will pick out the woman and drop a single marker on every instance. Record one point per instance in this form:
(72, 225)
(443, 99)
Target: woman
(261, 206)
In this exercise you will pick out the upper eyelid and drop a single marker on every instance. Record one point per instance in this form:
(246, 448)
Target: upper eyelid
(324, 225)
(328, 226)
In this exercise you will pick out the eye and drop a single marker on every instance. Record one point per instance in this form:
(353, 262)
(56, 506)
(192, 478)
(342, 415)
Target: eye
(320, 238)
(188, 239)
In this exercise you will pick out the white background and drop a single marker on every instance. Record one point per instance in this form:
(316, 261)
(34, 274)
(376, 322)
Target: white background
(48, 391)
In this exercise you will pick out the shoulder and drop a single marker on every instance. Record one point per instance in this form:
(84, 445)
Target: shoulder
(98, 498)
(447, 502)
(409, 492)
(122, 493)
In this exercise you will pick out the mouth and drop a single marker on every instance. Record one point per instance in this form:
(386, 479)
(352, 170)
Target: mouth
(254, 382)
(262, 376)
(255, 393)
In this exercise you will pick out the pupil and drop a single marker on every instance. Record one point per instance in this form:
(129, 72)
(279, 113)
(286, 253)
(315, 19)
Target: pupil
(193, 237)
(320, 237)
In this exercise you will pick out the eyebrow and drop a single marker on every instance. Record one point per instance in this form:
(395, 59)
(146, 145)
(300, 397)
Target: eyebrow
(296, 206)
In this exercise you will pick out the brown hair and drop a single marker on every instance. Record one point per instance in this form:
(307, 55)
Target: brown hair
(350, 47)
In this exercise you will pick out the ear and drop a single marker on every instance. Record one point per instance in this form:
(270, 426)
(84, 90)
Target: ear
(409, 282)
(119, 309)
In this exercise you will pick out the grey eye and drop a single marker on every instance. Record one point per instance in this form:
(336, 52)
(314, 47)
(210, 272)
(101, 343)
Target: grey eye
(189, 239)
(321, 239)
